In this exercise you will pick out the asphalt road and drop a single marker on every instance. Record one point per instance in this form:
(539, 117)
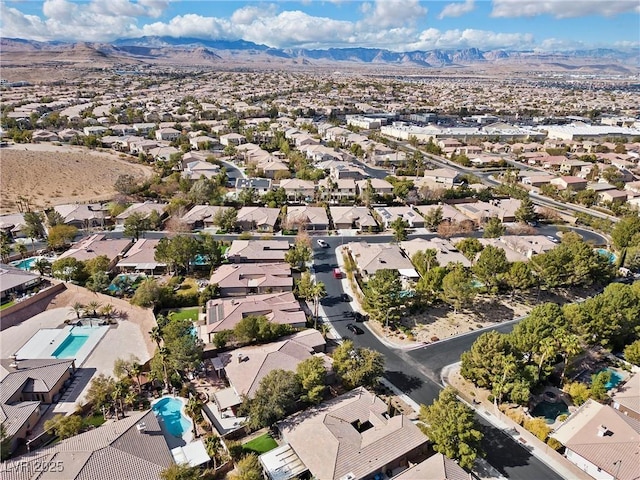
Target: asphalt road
(417, 372)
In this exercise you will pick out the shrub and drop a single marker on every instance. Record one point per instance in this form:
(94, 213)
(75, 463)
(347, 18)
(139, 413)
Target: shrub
(538, 427)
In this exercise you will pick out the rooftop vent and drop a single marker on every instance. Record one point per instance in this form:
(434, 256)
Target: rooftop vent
(142, 427)
(602, 431)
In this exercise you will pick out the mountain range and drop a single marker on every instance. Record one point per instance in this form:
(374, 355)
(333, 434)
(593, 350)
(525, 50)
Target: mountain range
(202, 52)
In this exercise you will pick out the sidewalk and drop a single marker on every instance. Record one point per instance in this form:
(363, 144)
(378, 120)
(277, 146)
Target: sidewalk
(519, 434)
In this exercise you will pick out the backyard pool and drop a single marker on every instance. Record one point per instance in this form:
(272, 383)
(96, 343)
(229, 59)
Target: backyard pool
(610, 255)
(70, 346)
(614, 379)
(550, 411)
(169, 410)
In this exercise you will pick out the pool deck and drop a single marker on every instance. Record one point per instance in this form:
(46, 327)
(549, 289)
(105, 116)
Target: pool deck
(173, 441)
(45, 342)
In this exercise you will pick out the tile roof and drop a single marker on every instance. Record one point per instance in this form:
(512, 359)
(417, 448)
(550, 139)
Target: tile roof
(371, 257)
(436, 467)
(338, 448)
(263, 275)
(258, 215)
(11, 277)
(628, 395)
(37, 375)
(258, 250)
(96, 245)
(113, 451)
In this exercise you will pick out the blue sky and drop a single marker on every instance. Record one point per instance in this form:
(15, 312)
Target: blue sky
(399, 25)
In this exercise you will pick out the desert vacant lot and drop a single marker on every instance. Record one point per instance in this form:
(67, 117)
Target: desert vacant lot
(52, 175)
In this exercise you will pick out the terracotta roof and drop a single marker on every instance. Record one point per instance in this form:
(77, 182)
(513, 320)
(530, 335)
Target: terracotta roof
(258, 250)
(96, 245)
(37, 375)
(248, 275)
(628, 395)
(436, 467)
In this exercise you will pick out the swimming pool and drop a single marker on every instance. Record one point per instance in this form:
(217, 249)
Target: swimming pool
(70, 346)
(25, 264)
(169, 410)
(614, 379)
(550, 411)
(612, 257)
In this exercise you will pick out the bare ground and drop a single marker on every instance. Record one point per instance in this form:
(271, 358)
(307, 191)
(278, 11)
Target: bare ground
(51, 175)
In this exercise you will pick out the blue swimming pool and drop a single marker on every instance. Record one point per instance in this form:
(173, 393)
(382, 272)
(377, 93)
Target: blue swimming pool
(614, 379)
(612, 257)
(70, 346)
(26, 264)
(550, 411)
(169, 409)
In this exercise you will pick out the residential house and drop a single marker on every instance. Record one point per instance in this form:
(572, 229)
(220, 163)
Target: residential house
(69, 134)
(133, 447)
(143, 209)
(388, 215)
(575, 183)
(537, 180)
(445, 176)
(225, 313)
(83, 216)
(306, 218)
(613, 196)
(481, 211)
(260, 185)
(12, 224)
(355, 425)
(246, 367)
(202, 216)
(446, 252)
(15, 281)
(381, 187)
(528, 245)
(123, 130)
(371, 257)
(96, 131)
(436, 467)
(339, 191)
(140, 258)
(167, 134)
(298, 190)
(271, 167)
(252, 278)
(162, 152)
(261, 219)
(626, 397)
(601, 441)
(320, 153)
(197, 169)
(93, 246)
(343, 170)
(449, 213)
(232, 139)
(345, 218)
(44, 136)
(143, 128)
(25, 385)
(254, 251)
(202, 142)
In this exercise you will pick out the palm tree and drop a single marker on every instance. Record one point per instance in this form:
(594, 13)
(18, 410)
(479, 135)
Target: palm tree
(94, 306)
(156, 335)
(213, 443)
(193, 408)
(22, 249)
(107, 310)
(570, 346)
(42, 265)
(318, 292)
(120, 390)
(130, 400)
(136, 370)
(164, 355)
(547, 350)
(78, 308)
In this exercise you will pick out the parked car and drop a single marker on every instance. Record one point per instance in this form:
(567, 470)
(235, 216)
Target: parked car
(322, 243)
(360, 317)
(345, 297)
(337, 273)
(354, 329)
(553, 239)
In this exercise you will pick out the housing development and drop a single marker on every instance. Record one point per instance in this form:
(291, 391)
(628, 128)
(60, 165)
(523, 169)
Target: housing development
(336, 270)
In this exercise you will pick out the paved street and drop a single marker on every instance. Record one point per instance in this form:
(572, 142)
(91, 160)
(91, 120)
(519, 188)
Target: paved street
(417, 372)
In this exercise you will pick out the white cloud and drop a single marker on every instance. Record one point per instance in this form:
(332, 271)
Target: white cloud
(393, 13)
(248, 14)
(457, 9)
(563, 8)
(433, 38)
(191, 25)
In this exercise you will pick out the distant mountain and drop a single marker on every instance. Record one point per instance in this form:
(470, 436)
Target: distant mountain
(197, 51)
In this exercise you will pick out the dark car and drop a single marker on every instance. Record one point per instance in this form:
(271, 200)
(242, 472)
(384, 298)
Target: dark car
(354, 329)
(345, 297)
(360, 317)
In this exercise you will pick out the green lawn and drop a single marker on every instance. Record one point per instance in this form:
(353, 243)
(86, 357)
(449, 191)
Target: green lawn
(7, 305)
(260, 445)
(185, 313)
(96, 420)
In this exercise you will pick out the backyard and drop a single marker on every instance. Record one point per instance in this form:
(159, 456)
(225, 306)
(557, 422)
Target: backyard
(260, 445)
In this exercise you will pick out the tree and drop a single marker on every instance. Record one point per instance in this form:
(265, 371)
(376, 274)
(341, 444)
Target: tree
(357, 367)
(309, 289)
(61, 235)
(578, 391)
(539, 427)
(274, 399)
(470, 247)
(526, 212)
(193, 408)
(181, 471)
(425, 260)
(5, 443)
(458, 289)
(69, 269)
(78, 308)
(178, 252)
(519, 277)
(64, 426)
(298, 255)
(98, 282)
(33, 226)
(433, 218)
(312, 376)
(99, 392)
(22, 249)
(452, 428)
(632, 353)
(481, 363)
(156, 335)
(210, 249)
(42, 266)
(382, 295)
(97, 264)
(93, 306)
(248, 468)
(399, 227)
(494, 228)
(126, 184)
(599, 385)
(136, 224)
(491, 265)
(148, 294)
(626, 232)
(226, 218)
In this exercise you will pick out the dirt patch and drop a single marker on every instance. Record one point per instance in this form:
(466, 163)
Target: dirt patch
(50, 175)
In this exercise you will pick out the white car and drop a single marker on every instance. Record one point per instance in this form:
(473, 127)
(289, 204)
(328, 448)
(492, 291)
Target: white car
(553, 239)
(323, 244)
